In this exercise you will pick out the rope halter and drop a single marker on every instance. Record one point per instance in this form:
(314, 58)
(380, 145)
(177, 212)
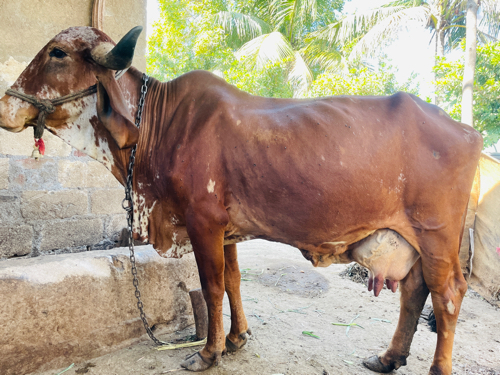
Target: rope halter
(48, 106)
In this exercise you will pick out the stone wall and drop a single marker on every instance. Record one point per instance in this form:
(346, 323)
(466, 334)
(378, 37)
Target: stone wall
(64, 202)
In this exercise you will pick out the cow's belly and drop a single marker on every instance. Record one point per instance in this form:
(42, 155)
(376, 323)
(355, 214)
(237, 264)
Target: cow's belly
(177, 242)
(385, 253)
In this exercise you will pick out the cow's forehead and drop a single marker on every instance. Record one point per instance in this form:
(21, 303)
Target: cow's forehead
(81, 37)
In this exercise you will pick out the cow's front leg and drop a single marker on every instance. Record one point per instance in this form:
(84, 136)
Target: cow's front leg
(237, 337)
(414, 292)
(206, 233)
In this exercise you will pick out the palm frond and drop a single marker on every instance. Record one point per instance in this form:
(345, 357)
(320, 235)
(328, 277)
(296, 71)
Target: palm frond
(244, 25)
(265, 49)
(284, 11)
(319, 52)
(490, 18)
(355, 25)
(387, 29)
(300, 76)
(484, 38)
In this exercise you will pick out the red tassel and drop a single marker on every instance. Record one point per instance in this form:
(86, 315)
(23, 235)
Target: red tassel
(41, 146)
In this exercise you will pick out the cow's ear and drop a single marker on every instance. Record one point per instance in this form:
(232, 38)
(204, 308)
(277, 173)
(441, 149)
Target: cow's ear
(112, 111)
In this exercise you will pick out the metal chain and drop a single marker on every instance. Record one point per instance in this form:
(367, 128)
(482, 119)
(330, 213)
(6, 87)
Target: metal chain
(128, 205)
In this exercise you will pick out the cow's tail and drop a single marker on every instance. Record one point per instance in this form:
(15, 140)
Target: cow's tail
(469, 217)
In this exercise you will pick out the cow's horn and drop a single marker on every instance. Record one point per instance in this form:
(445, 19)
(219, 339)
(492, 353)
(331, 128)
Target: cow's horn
(120, 57)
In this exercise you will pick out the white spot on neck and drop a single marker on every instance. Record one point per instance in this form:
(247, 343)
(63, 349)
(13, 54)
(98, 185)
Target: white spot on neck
(141, 217)
(128, 99)
(211, 186)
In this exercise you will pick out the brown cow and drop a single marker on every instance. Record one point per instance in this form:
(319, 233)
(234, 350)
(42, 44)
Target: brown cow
(384, 181)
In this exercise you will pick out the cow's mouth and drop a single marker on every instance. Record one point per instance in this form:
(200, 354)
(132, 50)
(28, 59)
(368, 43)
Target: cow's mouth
(30, 123)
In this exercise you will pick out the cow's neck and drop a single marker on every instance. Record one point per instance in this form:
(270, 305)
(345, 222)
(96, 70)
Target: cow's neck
(85, 132)
(88, 135)
(157, 138)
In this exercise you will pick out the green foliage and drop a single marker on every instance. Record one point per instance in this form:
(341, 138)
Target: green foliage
(185, 40)
(486, 109)
(193, 34)
(362, 81)
(270, 82)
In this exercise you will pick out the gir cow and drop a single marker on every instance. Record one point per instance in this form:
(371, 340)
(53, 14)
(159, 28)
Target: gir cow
(383, 181)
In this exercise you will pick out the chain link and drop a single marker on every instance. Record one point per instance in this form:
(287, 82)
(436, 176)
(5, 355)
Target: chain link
(128, 205)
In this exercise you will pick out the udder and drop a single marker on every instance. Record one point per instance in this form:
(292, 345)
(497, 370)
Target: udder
(387, 255)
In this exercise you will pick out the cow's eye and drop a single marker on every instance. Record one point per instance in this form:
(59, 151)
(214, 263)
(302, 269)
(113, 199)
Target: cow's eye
(57, 53)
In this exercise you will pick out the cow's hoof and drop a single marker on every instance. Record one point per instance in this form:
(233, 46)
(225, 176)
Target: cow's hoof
(373, 363)
(196, 362)
(234, 346)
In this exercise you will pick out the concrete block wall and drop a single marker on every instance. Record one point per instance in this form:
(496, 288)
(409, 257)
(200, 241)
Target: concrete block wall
(57, 204)
(65, 202)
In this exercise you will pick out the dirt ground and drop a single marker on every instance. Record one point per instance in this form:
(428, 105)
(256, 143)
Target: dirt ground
(283, 296)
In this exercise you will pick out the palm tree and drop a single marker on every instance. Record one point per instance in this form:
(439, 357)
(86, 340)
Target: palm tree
(470, 62)
(271, 31)
(372, 28)
(446, 19)
(491, 20)
(274, 30)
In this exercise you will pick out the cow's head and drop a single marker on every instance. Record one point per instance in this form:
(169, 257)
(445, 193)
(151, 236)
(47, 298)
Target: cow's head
(72, 61)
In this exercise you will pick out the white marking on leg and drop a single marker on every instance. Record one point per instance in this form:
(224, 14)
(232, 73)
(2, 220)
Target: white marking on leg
(451, 307)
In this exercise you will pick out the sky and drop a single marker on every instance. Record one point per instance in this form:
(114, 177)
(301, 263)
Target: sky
(153, 14)
(410, 53)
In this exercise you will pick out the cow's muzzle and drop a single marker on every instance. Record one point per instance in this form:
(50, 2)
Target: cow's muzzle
(15, 114)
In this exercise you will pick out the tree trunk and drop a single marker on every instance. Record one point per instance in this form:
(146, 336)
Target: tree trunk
(470, 62)
(438, 53)
(440, 43)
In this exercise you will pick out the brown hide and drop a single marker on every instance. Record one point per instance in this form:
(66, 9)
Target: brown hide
(216, 166)
(311, 173)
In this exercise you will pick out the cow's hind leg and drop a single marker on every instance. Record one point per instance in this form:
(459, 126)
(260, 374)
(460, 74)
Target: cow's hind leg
(443, 276)
(207, 237)
(414, 293)
(232, 279)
